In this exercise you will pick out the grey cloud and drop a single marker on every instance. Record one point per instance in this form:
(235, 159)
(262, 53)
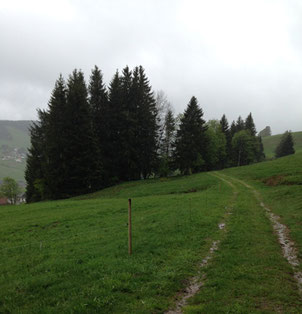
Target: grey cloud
(183, 61)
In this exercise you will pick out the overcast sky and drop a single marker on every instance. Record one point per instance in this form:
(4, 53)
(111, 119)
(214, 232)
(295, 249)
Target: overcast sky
(235, 56)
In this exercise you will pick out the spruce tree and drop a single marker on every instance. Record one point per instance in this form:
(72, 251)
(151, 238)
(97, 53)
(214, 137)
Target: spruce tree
(98, 102)
(36, 160)
(260, 156)
(82, 168)
(249, 125)
(228, 137)
(191, 141)
(233, 129)
(56, 142)
(285, 146)
(115, 124)
(240, 125)
(148, 127)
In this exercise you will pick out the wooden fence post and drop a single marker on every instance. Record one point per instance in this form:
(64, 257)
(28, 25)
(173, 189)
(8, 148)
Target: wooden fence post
(129, 228)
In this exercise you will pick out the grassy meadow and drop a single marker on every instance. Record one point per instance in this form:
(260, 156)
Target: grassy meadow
(71, 256)
(270, 143)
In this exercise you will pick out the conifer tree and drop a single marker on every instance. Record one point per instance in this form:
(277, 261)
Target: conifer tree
(98, 102)
(286, 145)
(240, 124)
(56, 142)
(148, 127)
(191, 141)
(228, 137)
(260, 156)
(82, 168)
(36, 160)
(250, 125)
(233, 129)
(115, 121)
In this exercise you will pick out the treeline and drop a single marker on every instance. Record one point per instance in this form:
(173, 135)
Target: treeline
(91, 137)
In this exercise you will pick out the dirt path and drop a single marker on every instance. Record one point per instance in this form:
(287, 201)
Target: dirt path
(288, 246)
(197, 282)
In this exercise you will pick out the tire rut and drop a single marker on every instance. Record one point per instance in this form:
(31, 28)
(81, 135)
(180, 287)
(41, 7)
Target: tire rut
(196, 282)
(288, 246)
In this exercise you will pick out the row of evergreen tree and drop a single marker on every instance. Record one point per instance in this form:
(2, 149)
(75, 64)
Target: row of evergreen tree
(190, 144)
(91, 137)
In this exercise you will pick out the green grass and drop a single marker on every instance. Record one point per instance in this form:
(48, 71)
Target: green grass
(71, 255)
(248, 273)
(82, 264)
(270, 143)
(15, 135)
(15, 170)
(280, 183)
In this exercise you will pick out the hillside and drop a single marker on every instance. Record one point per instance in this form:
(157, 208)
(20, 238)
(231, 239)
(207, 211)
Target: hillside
(270, 143)
(14, 142)
(71, 255)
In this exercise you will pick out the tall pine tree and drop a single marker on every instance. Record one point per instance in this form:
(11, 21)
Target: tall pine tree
(191, 141)
(285, 146)
(83, 167)
(228, 137)
(98, 102)
(36, 160)
(56, 142)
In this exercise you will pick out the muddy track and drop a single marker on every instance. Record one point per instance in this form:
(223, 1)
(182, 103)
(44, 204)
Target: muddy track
(288, 246)
(196, 282)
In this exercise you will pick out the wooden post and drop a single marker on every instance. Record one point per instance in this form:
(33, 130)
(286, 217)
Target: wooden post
(129, 228)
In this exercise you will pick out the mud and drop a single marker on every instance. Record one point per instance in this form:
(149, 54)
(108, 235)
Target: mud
(288, 246)
(195, 283)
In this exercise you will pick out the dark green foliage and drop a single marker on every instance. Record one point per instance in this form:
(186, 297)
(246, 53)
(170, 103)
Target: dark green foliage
(10, 189)
(56, 143)
(169, 133)
(191, 140)
(35, 165)
(114, 125)
(83, 168)
(147, 127)
(243, 148)
(86, 141)
(217, 146)
(98, 103)
(249, 125)
(233, 128)
(228, 137)
(286, 145)
(265, 132)
(240, 125)
(260, 156)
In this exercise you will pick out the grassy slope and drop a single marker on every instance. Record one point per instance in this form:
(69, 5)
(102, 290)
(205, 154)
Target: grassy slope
(18, 137)
(71, 256)
(280, 183)
(270, 143)
(83, 264)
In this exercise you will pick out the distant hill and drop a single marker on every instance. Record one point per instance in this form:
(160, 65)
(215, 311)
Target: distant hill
(270, 143)
(14, 142)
